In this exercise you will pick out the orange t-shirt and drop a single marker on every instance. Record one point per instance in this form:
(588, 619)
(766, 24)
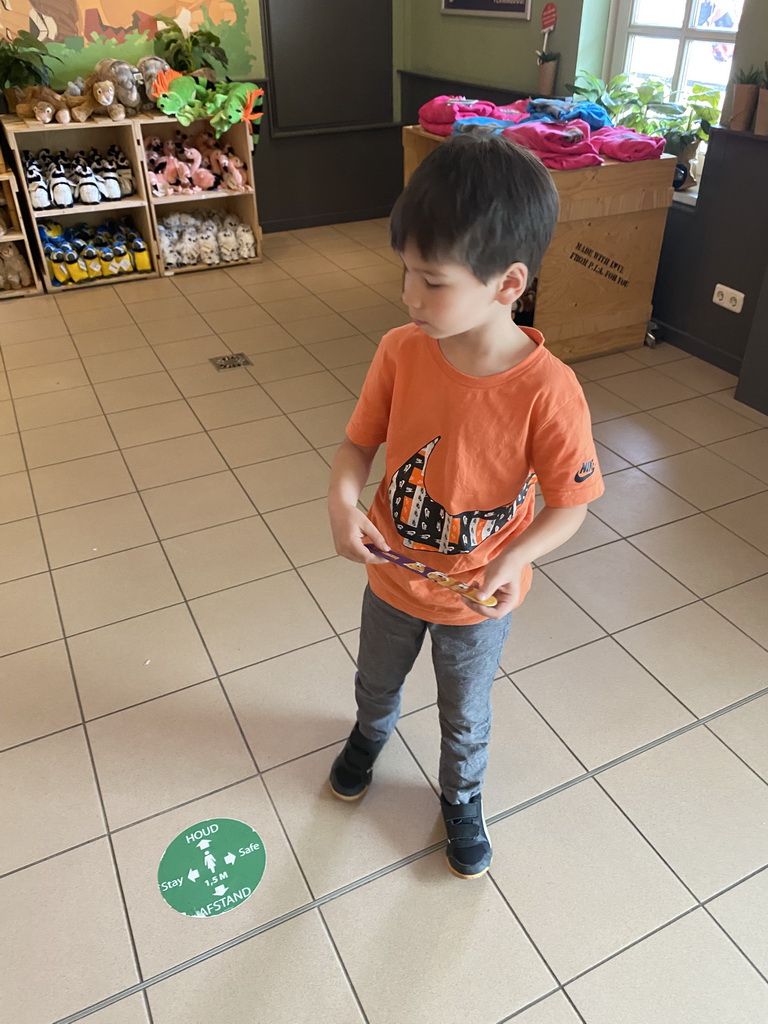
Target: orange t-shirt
(457, 443)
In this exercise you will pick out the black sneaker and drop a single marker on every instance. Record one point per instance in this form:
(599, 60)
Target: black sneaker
(469, 847)
(352, 770)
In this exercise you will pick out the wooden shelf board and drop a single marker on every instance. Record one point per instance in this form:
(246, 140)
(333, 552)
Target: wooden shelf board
(214, 266)
(117, 279)
(72, 211)
(198, 196)
(20, 293)
(13, 236)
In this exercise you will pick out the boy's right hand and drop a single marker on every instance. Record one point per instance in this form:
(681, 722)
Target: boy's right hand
(351, 529)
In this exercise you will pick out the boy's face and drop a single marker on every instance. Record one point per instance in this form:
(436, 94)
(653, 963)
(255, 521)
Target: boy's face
(445, 299)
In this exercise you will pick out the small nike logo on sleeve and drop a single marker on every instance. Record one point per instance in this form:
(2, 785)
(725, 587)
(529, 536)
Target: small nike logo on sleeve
(586, 471)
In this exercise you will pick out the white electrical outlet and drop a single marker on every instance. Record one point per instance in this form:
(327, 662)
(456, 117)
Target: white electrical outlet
(728, 298)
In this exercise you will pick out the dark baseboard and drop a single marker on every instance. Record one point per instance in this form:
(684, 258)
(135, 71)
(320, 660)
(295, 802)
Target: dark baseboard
(321, 219)
(696, 347)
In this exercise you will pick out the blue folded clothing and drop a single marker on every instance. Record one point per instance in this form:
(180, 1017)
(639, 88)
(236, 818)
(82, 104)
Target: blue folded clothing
(568, 110)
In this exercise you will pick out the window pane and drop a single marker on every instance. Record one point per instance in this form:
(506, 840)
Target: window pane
(718, 15)
(669, 13)
(650, 57)
(708, 63)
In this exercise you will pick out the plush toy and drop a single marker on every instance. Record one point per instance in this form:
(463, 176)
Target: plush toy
(3, 223)
(60, 186)
(98, 97)
(246, 242)
(85, 183)
(75, 88)
(149, 68)
(83, 252)
(40, 103)
(228, 244)
(120, 73)
(16, 272)
(208, 244)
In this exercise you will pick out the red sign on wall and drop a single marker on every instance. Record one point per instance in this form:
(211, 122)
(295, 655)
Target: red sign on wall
(548, 18)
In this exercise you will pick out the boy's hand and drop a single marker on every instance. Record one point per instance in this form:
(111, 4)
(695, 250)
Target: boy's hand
(502, 581)
(350, 529)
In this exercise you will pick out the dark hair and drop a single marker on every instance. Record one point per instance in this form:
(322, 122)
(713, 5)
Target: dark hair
(481, 200)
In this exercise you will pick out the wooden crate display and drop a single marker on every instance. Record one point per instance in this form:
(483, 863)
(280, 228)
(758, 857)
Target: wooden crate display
(242, 204)
(99, 133)
(16, 233)
(596, 281)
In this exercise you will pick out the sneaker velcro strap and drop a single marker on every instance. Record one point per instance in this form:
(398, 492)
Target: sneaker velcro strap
(462, 830)
(358, 759)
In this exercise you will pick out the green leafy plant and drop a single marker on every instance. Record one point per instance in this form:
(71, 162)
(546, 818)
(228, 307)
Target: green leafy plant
(22, 62)
(188, 51)
(749, 77)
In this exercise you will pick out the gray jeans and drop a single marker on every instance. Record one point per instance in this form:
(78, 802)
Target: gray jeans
(466, 659)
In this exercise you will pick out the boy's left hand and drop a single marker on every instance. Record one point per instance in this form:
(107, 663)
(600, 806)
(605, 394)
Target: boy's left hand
(502, 580)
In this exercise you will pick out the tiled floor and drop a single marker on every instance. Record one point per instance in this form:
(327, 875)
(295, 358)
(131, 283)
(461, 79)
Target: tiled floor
(176, 642)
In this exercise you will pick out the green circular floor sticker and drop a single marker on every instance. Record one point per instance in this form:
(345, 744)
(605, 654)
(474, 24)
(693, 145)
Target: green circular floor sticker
(211, 867)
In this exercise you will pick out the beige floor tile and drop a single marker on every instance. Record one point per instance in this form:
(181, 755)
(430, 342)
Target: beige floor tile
(164, 937)
(133, 661)
(148, 758)
(699, 375)
(49, 794)
(255, 274)
(321, 328)
(745, 606)
(303, 308)
(7, 419)
(275, 366)
(128, 1011)
(84, 925)
(641, 438)
(38, 353)
(749, 452)
(21, 550)
(601, 702)
(547, 623)
(220, 300)
(379, 274)
(41, 327)
(39, 380)
(380, 316)
(356, 259)
(702, 554)
(259, 441)
(166, 462)
(525, 756)
(648, 389)
(704, 420)
(177, 328)
(156, 311)
(115, 587)
(133, 362)
(330, 282)
(145, 291)
(592, 534)
(742, 912)
(688, 973)
(28, 614)
(249, 624)
(74, 301)
(728, 400)
(196, 504)
(633, 502)
(747, 518)
(178, 354)
(344, 351)
(303, 263)
(337, 842)
(582, 880)
(37, 694)
(326, 425)
(703, 810)
(100, 528)
(347, 299)
(229, 982)
(353, 377)
(459, 967)
(228, 408)
(15, 497)
(554, 1010)
(296, 703)
(225, 556)
(170, 419)
(97, 320)
(420, 689)
(205, 379)
(660, 353)
(11, 455)
(704, 479)
(744, 732)
(5, 393)
(239, 318)
(61, 407)
(392, 291)
(64, 442)
(255, 340)
(605, 366)
(117, 339)
(75, 483)
(29, 309)
(597, 582)
(603, 405)
(303, 531)
(285, 481)
(207, 281)
(137, 392)
(307, 392)
(276, 291)
(337, 584)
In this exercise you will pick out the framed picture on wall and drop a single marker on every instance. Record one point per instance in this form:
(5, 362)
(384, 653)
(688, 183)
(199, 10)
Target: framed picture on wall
(489, 8)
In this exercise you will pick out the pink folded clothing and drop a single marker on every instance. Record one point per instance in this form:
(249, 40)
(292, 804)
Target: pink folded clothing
(439, 114)
(562, 146)
(627, 144)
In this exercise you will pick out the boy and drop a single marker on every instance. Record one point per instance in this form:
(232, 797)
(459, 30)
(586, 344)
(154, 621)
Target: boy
(473, 410)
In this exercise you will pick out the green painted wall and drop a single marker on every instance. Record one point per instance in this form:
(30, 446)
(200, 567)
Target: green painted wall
(500, 52)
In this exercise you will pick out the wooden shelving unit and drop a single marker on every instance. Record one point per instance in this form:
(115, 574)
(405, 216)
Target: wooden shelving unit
(9, 202)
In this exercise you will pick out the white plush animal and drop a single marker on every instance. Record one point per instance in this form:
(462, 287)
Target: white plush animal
(167, 248)
(39, 192)
(60, 187)
(86, 185)
(228, 245)
(111, 189)
(125, 176)
(15, 270)
(246, 243)
(208, 245)
(188, 247)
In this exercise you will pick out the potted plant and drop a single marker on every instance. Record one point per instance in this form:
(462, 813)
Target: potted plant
(547, 62)
(761, 117)
(22, 63)
(190, 53)
(745, 93)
